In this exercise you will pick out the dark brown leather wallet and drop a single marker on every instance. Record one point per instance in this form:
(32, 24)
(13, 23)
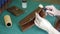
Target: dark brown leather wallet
(28, 21)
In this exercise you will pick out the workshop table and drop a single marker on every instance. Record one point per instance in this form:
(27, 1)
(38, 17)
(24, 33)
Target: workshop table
(15, 29)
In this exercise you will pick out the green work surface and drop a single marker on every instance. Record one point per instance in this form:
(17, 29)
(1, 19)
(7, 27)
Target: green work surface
(15, 29)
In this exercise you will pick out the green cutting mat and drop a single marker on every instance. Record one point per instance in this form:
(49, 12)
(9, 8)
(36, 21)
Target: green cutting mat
(15, 29)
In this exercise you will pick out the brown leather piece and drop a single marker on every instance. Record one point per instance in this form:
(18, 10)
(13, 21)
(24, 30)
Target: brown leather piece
(15, 11)
(28, 21)
(57, 25)
(27, 25)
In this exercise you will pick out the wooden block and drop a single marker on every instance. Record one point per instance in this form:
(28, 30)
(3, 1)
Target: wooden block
(28, 21)
(16, 11)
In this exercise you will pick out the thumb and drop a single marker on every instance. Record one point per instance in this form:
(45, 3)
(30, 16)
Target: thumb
(37, 15)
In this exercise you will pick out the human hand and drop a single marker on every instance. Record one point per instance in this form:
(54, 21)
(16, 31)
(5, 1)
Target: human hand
(52, 11)
(45, 25)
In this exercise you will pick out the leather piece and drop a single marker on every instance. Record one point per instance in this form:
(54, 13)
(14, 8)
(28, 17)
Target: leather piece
(57, 25)
(28, 21)
(15, 11)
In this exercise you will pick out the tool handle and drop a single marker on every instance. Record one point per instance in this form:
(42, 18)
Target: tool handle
(8, 21)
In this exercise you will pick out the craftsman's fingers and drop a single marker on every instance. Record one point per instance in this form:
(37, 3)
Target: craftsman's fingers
(50, 7)
(37, 20)
(36, 23)
(51, 13)
(37, 16)
(48, 11)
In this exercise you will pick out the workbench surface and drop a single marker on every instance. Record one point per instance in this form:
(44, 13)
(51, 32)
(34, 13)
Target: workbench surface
(15, 29)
